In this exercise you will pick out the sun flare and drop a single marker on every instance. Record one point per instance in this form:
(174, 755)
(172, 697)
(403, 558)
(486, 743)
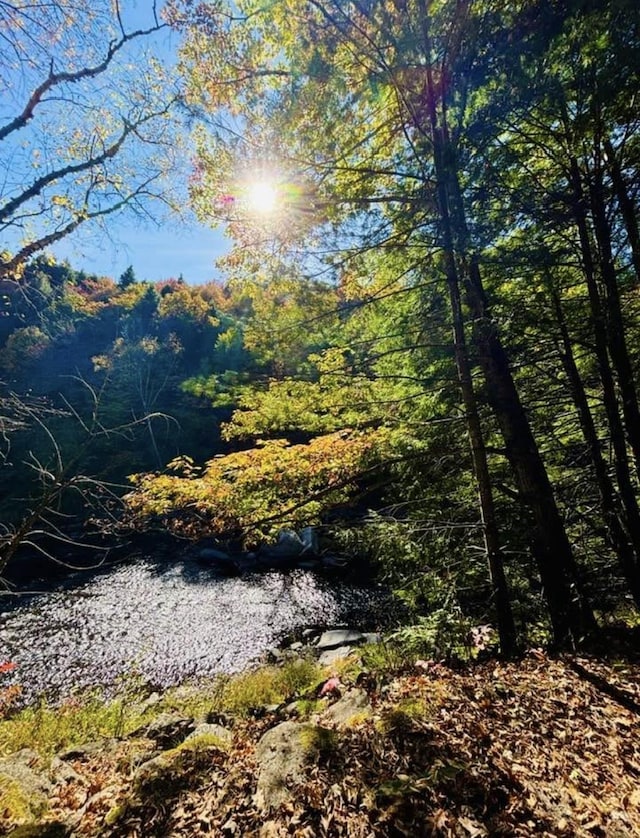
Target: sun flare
(262, 197)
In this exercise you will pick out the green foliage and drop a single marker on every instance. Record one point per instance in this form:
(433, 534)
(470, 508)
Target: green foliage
(444, 633)
(319, 743)
(400, 719)
(127, 278)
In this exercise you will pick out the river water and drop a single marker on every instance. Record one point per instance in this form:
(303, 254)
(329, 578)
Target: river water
(166, 623)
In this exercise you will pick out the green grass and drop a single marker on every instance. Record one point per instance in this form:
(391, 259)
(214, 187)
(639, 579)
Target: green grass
(87, 718)
(49, 729)
(268, 685)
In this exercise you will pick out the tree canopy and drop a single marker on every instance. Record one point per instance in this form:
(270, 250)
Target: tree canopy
(430, 312)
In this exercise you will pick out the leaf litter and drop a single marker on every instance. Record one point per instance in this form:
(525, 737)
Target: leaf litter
(534, 747)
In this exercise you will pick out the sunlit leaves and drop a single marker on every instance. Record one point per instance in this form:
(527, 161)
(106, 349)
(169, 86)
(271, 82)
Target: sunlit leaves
(255, 493)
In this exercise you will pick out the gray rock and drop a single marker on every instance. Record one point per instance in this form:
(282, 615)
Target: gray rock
(308, 633)
(297, 646)
(332, 655)
(152, 772)
(84, 751)
(62, 772)
(275, 655)
(281, 755)
(169, 729)
(225, 736)
(161, 773)
(340, 637)
(151, 701)
(309, 538)
(353, 705)
(291, 709)
(372, 637)
(290, 540)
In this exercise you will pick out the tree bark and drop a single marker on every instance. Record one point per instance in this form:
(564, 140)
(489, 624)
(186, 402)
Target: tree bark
(616, 430)
(495, 557)
(615, 332)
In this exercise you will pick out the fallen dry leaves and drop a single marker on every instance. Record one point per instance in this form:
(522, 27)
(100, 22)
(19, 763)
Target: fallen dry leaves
(534, 747)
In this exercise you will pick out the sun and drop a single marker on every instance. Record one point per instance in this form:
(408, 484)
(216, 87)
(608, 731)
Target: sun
(262, 197)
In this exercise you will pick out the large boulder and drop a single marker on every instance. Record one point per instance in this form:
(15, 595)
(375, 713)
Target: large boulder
(213, 731)
(284, 552)
(332, 656)
(281, 755)
(353, 707)
(170, 768)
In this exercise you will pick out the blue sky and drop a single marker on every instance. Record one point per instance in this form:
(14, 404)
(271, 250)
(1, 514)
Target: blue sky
(155, 252)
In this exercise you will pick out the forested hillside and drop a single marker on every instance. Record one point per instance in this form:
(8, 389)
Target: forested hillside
(103, 378)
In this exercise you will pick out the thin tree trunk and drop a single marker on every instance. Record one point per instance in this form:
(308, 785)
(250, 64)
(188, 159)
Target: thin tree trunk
(614, 324)
(495, 558)
(619, 535)
(627, 208)
(570, 613)
(616, 430)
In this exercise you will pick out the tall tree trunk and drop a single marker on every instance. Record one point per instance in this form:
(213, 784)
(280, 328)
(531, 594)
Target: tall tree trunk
(621, 537)
(616, 430)
(570, 614)
(495, 558)
(627, 208)
(616, 342)
(569, 610)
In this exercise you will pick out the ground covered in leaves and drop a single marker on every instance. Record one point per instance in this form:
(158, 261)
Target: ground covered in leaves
(535, 747)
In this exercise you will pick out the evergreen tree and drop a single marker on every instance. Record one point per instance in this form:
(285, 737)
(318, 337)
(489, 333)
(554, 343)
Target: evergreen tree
(127, 278)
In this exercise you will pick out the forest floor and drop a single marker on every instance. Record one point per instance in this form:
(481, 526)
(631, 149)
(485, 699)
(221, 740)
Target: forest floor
(541, 746)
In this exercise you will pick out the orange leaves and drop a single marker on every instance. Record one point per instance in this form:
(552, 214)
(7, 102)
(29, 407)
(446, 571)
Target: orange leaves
(257, 491)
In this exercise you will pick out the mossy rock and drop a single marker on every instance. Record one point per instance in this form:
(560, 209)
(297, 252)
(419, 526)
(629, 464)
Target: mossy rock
(173, 767)
(23, 790)
(349, 711)
(282, 754)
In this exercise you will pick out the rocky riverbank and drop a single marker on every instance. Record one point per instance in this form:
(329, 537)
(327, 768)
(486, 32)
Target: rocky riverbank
(372, 745)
